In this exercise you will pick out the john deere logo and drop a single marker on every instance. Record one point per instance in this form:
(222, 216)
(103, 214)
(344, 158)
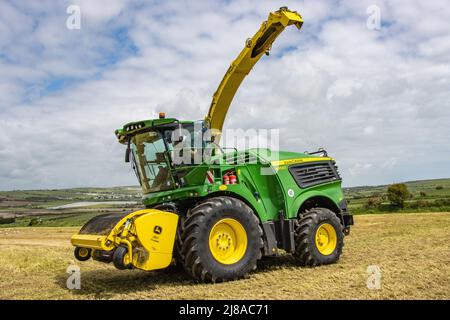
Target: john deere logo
(157, 229)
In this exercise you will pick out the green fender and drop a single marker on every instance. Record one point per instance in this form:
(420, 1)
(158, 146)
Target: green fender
(305, 196)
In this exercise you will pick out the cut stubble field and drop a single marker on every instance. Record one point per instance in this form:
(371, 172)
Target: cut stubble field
(412, 251)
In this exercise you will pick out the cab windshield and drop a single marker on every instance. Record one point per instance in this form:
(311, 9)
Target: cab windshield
(150, 162)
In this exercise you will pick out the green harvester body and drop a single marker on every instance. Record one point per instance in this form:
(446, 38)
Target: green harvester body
(265, 182)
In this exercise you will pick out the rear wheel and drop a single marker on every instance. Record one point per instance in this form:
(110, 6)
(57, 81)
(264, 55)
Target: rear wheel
(82, 254)
(319, 238)
(221, 240)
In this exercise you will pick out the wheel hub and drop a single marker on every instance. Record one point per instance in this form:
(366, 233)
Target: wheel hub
(84, 252)
(224, 241)
(228, 241)
(326, 239)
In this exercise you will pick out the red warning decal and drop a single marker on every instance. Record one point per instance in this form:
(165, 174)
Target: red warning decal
(210, 177)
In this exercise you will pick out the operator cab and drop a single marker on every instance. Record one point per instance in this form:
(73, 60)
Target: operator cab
(150, 162)
(162, 151)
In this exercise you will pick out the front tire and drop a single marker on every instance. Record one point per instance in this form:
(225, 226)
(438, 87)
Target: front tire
(319, 238)
(121, 258)
(221, 240)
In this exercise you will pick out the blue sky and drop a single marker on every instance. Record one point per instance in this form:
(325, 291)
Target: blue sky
(377, 100)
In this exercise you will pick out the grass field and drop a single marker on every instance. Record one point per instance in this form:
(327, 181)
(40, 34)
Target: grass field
(412, 251)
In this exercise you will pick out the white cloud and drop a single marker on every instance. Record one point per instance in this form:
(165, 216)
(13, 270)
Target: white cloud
(359, 168)
(101, 10)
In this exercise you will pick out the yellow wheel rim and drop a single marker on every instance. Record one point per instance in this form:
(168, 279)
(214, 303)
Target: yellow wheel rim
(326, 239)
(126, 259)
(83, 252)
(228, 241)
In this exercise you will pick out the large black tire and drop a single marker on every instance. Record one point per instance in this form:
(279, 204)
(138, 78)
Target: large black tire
(306, 250)
(198, 258)
(178, 245)
(119, 257)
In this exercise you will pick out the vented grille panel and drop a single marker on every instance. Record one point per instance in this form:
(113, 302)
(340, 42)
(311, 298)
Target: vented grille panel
(243, 158)
(310, 174)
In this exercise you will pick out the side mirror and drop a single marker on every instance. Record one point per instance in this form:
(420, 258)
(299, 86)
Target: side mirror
(127, 152)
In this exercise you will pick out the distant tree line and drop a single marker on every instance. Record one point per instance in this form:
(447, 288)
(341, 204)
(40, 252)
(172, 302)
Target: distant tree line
(397, 195)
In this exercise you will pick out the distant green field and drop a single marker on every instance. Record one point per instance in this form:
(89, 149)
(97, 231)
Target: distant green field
(71, 195)
(426, 196)
(43, 199)
(25, 205)
(28, 205)
(63, 220)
